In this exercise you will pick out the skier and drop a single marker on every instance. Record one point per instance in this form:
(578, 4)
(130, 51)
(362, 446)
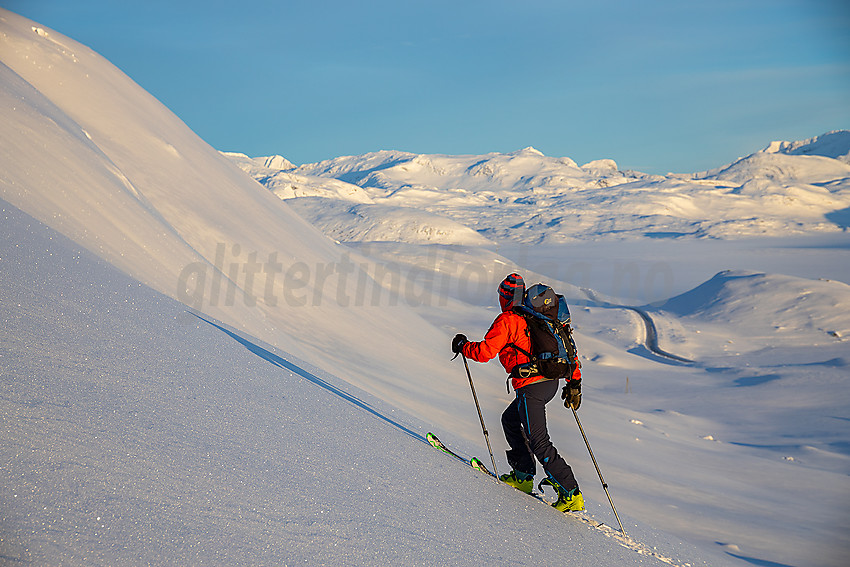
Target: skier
(524, 420)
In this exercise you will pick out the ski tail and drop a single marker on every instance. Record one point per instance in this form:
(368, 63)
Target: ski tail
(474, 462)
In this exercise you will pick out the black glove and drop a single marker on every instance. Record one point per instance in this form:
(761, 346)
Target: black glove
(571, 394)
(458, 342)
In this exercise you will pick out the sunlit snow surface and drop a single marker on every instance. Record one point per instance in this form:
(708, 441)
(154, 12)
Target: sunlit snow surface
(276, 415)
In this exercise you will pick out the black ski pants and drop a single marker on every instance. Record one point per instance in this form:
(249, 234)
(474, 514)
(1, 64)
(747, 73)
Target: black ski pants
(524, 422)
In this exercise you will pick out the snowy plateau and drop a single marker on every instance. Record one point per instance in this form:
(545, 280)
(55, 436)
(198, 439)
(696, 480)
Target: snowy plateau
(213, 359)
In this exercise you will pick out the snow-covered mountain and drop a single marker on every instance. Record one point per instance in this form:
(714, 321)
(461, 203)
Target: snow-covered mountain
(835, 144)
(277, 414)
(789, 188)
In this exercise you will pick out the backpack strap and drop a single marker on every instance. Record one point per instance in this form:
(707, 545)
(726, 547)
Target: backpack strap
(525, 369)
(531, 357)
(569, 343)
(522, 350)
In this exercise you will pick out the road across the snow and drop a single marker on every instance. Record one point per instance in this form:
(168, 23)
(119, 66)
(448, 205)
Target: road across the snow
(651, 336)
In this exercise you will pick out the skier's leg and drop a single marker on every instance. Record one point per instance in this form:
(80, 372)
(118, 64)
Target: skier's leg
(532, 400)
(519, 457)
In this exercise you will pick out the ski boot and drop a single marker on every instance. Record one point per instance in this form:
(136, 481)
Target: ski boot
(568, 501)
(521, 481)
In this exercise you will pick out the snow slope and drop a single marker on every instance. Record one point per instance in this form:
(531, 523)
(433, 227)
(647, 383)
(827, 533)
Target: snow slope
(95, 156)
(780, 343)
(137, 433)
(798, 307)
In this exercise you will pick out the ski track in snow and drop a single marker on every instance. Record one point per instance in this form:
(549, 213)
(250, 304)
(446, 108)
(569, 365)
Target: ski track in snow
(626, 541)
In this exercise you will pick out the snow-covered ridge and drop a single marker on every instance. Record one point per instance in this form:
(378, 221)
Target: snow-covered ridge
(527, 197)
(275, 173)
(835, 144)
(784, 171)
(345, 221)
(768, 308)
(129, 181)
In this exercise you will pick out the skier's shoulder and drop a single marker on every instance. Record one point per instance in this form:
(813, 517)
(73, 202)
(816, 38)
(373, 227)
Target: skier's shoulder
(510, 318)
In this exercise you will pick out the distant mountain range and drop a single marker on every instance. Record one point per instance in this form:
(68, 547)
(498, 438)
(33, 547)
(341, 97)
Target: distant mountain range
(787, 188)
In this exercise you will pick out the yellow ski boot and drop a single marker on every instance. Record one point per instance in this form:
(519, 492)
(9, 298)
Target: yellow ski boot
(519, 480)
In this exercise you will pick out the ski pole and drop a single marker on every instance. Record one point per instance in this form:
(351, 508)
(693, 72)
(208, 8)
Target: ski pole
(480, 417)
(604, 485)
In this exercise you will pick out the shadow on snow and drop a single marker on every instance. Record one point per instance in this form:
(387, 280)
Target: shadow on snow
(281, 362)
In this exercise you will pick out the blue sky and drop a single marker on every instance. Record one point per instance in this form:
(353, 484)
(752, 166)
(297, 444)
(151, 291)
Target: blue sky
(668, 85)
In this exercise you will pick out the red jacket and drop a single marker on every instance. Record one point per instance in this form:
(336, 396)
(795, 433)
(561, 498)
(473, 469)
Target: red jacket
(507, 328)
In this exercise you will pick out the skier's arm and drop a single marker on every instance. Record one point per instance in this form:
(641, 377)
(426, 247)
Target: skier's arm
(494, 341)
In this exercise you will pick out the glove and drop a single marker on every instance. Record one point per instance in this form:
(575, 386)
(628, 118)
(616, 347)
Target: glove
(571, 394)
(458, 342)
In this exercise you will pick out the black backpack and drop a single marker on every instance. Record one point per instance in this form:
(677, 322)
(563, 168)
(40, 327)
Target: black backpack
(553, 352)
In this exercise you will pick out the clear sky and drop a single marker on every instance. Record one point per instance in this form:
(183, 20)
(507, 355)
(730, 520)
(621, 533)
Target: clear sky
(659, 86)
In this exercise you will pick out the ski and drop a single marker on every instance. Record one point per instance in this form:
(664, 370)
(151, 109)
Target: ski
(474, 462)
